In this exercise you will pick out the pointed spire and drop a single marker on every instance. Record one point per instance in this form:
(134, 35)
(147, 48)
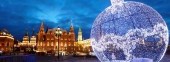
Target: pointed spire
(42, 24)
(79, 29)
(42, 27)
(71, 27)
(33, 32)
(71, 23)
(26, 33)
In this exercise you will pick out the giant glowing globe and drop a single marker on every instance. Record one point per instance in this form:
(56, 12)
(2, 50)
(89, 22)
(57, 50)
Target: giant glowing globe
(129, 30)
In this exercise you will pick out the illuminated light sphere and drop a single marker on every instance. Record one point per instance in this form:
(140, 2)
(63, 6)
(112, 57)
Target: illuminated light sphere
(127, 31)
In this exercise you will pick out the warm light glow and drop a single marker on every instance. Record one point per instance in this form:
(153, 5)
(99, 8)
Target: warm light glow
(58, 28)
(60, 32)
(4, 33)
(56, 32)
(47, 43)
(51, 43)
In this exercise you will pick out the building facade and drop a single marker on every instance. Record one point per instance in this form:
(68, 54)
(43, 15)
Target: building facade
(56, 40)
(6, 41)
(28, 43)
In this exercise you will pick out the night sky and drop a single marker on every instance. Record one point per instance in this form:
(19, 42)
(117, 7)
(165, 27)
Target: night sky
(20, 16)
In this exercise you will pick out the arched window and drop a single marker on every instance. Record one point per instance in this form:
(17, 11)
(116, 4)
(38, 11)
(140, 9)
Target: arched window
(47, 43)
(41, 44)
(51, 43)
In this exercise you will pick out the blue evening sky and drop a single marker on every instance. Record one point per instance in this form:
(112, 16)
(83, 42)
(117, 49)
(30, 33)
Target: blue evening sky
(19, 16)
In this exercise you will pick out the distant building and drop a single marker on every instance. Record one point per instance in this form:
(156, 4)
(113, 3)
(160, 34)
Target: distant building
(25, 41)
(28, 42)
(6, 41)
(32, 40)
(83, 47)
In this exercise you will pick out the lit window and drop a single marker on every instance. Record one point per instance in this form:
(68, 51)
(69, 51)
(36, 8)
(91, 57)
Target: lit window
(47, 43)
(61, 44)
(69, 44)
(65, 45)
(51, 43)
(48, 39)
(41, 44)
(56, 43)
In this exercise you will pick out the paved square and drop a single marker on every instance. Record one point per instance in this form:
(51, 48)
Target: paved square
(79, 59)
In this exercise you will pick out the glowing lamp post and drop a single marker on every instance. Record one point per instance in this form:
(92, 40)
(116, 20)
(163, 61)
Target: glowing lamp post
(58, 34)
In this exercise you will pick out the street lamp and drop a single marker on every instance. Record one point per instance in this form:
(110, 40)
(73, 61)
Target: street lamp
(58, 34)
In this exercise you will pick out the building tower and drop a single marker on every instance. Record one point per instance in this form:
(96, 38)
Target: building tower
(41, 33)
(41, 38)
(26, 39)
(71, 40)
(33, 39)
(79, 35)
(71, 33)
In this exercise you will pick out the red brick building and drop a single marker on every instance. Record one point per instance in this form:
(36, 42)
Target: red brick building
(48, 40)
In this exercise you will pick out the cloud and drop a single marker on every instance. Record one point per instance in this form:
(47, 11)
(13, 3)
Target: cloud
(28, 13)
